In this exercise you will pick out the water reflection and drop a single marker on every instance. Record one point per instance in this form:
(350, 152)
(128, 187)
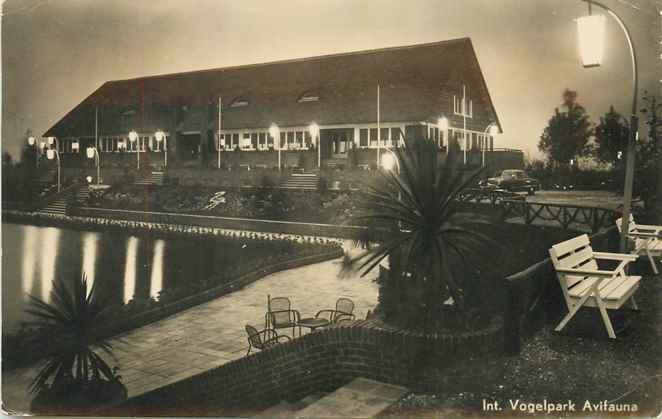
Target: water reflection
(156, 281)
(89, 256)
(29, 260)
(130, 268)
(48, 259)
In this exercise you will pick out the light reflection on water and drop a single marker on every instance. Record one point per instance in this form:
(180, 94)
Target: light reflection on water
(49, 237)
(156, 282)
(130, 268)
(89, 257)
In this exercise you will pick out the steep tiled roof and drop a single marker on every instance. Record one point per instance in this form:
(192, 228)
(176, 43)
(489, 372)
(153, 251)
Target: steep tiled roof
(412, 79)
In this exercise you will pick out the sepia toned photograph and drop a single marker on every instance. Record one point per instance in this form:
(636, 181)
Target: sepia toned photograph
(331, 208)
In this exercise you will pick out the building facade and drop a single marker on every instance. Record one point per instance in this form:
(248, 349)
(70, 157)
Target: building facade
(359, 103)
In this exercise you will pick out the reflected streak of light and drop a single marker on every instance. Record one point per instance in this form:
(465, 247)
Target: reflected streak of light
(89, 257)
(156, 280)
(49, 250)
(130, 269)
(29, 260)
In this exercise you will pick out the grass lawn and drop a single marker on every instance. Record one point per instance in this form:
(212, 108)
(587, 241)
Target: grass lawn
(558, 367)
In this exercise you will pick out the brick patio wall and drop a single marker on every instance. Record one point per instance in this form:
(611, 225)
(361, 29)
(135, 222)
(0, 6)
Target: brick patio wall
(322, 361)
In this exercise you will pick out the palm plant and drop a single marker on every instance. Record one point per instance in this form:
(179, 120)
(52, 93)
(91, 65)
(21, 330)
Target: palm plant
(414, 219)
(69, 327)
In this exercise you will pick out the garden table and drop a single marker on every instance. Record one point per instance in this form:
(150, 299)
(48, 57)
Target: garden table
(313, 323)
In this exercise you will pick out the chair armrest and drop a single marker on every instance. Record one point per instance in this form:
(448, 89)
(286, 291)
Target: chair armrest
(654, 229)
(276, 339)
(642, 234)
(328, 314)
(588, 272)
(342, 317)
(615, 256)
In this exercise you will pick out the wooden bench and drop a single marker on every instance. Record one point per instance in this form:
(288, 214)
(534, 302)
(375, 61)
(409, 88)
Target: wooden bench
(585, 284)
(645, 239)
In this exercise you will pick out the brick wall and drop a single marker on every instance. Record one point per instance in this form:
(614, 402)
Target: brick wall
(322, 361)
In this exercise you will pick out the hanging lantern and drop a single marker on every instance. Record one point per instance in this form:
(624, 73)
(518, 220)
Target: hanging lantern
(591, 32)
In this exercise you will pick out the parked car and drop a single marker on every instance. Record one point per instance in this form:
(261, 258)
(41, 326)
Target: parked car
(512, 180)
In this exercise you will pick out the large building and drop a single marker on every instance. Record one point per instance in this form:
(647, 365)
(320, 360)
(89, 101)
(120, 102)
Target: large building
(356, 99)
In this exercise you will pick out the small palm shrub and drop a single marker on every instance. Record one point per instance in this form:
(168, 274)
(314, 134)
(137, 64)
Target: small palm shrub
(432, 245)
(73, 374)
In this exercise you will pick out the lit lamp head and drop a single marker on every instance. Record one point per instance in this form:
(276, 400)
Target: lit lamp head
(159, 135)
(89, 178)
(42, 145)
(90, 152)
(50, 154)
(443, 123)
(493, 130)
(31, 141)
(388, 162)
(274, 131)
(591, 32)
(314, 130)
(50, 140)
(133, 136)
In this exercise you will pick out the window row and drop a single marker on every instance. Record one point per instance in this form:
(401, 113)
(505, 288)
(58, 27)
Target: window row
(122, 143)
(261, 140)
(386, 137)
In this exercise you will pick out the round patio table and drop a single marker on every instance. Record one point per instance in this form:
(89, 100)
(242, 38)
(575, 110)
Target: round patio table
(313, 323)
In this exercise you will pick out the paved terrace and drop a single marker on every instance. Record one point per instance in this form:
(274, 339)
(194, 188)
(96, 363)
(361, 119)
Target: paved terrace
(212, 334)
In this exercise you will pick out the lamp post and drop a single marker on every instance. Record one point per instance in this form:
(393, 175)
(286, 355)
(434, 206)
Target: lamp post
(93, 153)
(52, 153)
(274, 132)
(491, 129)
(591, 31)
(314, 131)
(443, 124)
(160, 136)
(133, 137)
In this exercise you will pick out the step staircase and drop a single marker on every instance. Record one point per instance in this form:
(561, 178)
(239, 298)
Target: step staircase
(361, 398)
(154, 178)
(307, 181)
(59, 205)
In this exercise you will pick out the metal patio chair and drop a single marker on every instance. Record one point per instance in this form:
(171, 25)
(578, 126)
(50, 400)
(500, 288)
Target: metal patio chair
(343, 312)
(263, 339)
(280, 315)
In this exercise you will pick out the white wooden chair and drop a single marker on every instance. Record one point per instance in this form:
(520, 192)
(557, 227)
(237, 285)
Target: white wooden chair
(646, 240)
(585, 284)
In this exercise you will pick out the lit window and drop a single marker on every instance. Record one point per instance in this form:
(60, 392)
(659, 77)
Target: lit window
(363, 137)
(239, 102)
(309, 97)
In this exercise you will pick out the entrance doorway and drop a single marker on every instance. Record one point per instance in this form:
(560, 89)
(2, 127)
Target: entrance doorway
(188, 146)
(336, 143)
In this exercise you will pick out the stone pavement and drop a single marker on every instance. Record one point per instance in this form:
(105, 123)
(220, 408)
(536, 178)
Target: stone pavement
(212, 334)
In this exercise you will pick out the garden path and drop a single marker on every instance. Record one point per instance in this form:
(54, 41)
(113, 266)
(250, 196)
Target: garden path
(211, 334)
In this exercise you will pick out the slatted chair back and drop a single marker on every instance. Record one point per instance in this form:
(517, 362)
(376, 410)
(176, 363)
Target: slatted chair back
(345, 305)
(254, 337)
(575, 253)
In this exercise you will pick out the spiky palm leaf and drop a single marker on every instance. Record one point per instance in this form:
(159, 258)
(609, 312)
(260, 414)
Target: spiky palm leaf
(414, 217)
(68, 327)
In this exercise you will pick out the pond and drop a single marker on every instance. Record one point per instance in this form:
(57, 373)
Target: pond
(123, 266)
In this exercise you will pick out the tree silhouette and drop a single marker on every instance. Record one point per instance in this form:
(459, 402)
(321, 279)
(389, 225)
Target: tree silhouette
(611, 138)
(568, 131)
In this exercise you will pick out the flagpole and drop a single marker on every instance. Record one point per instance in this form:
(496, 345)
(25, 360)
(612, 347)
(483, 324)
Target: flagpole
(220, 103)
(379, 134)
(464, 120)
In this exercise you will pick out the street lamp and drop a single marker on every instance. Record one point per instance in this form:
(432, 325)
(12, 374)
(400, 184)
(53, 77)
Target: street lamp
(390, 161)
(443, 129)
(591, 33)
(314, 131)
(160, 136)
(274, 132)
(54, 154)
(492, 129)
(31, 141)
(133, 137)
(93, 153)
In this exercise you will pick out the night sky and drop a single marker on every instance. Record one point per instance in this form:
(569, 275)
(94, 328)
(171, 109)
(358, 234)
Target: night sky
(55, 53)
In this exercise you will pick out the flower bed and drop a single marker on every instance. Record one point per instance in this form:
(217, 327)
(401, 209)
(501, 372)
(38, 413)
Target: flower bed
(261, 203)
